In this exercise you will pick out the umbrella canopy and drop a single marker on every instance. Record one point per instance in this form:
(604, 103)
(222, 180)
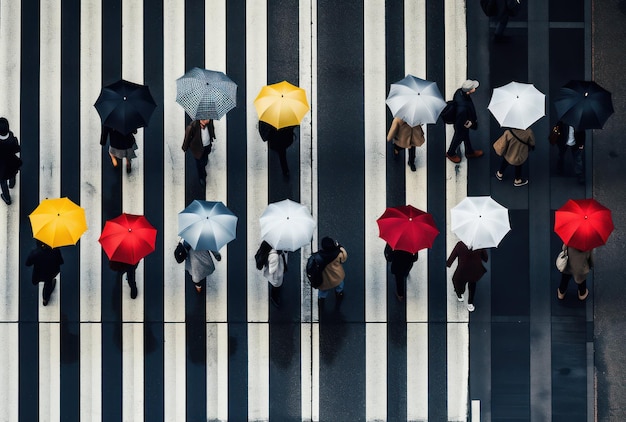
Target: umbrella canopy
(207, 225)
(415, 100)
(480, 222)
(206, 94)
(517, 105)
(287, 225)
(281, 104)
(583, 105)
(406, 228)
(58, 222)
(583, 223)
(125, 106)
(128, 238)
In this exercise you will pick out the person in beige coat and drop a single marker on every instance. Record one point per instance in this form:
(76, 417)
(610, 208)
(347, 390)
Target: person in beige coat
(405, 137)
(333, 275)
(517, 144)
(579, 263)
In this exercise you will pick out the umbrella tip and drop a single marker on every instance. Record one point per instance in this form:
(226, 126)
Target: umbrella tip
(124, 98)
(130, 230)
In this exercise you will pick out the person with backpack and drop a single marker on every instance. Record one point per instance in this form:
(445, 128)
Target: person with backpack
(9, 162)
(333, 274)
(274, 265)
(465, 120)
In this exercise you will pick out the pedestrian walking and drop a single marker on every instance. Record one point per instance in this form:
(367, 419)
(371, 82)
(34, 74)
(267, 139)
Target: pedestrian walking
(46, 263)
(465, 120)
(333, 275)
(573, 140)
(200, 265)
(506, 9)
(120, 146)
(10, 163)
(129, 269)
(278, 140)
(401, 264)
(199, 137)
(469, 270)
(516, 143)
(579, 264)
(405, 137)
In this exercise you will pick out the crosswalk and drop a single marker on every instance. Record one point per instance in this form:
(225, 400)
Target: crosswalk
(94, 354)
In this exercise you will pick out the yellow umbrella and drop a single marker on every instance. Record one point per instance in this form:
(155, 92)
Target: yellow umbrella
(58, 222)
(281, 105)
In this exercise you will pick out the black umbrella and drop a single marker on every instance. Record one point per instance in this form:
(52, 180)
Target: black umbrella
(583, 105)
(125, 106)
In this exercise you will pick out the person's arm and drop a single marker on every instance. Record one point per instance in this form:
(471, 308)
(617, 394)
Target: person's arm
(272, 262)
(392, 130)
(188, 136)
(211, 129)
(483, 255)
(31, 258)
(103, 135)
(453, 256)
(343, 255)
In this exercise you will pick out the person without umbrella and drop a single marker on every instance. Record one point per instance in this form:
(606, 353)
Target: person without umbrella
(579, 264)
(465, 120)
(333, 275)
(120, 146)
(514, 145)
(469, 270)
(10, 163)
(405, 137)
(401, 264)
(574, 141)
(200, 265)
(199, 137)
(46, 263)
(129, 269)
(278, 140)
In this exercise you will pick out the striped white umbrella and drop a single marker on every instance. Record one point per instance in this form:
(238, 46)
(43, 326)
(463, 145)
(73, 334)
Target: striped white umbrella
(480, 222)
(206, 94)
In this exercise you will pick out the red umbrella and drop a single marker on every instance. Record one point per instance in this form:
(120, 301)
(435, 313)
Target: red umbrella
(406, 228)
(128, 238)
(583, 223)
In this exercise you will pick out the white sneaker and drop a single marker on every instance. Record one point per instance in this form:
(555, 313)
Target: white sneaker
(459, 298)
(470, 307)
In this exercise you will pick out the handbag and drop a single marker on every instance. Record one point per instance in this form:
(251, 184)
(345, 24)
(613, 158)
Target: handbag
(561, 260)
(554, 135)
(500, 145)
(181, 252)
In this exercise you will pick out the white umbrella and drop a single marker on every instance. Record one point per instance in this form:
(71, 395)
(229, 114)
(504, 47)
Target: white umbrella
(415, 100)
(480, 222)
(287, 225)
(517, 105)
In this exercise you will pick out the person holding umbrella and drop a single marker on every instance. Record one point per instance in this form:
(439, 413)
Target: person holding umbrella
(333, 274)
(465, 120)
(199, 137)
(199, 264)
(120, 146)
(46, 263)
(123, 267)
(574, 141)
(579, 264)
(278, 140)
(274, 269)
(9, 162)
(468, 271)
(401, 264)
(405, 137)
(515, 145)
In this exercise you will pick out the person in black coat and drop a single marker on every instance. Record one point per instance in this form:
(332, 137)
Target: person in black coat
(574, 141)
(129, 269)
(468, 271)
(465, 120)
(9, 162)
(120, 146)
(401, 264)
(506, 9)
(278, 140)
(46, 263)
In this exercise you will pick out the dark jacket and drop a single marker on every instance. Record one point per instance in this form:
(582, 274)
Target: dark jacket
(193, 138)
(9, 162)
(579, 135)
(401, 261)
(470, 268)
(46, 262)
(117, 139)
(465, 110)
(122, 267)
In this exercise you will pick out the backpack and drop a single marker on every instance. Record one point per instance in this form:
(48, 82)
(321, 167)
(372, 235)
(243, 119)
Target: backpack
(314, 268)
(490, 7)
(261, 255)
(448, 114)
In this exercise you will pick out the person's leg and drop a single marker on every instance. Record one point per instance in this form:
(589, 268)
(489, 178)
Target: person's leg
(503, 20)
(459, 136)
(202, 162)
(275, 295)
(6, 196)
(579, 167)
(400, 283)
(560, 164)
(471, 287)
(282, 156)
(130, 274)
(411, 161)
(518, 172)
(503, 165)
(582, 290)
(469, 150)
(12, 182)
(563, 285)
(459, 288)
(48, 288)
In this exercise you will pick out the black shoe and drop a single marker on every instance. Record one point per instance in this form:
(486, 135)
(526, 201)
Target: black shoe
(218, 256)
(5, 199)
(202, 181)
(412, 165)
(133, 292)
(12, 183)
(45, 302)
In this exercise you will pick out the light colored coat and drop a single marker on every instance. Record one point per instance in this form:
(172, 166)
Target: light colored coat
(274, 270)
(405, 136)
(516, 152)
(199, 264)
(333, 273)
(579, 263)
